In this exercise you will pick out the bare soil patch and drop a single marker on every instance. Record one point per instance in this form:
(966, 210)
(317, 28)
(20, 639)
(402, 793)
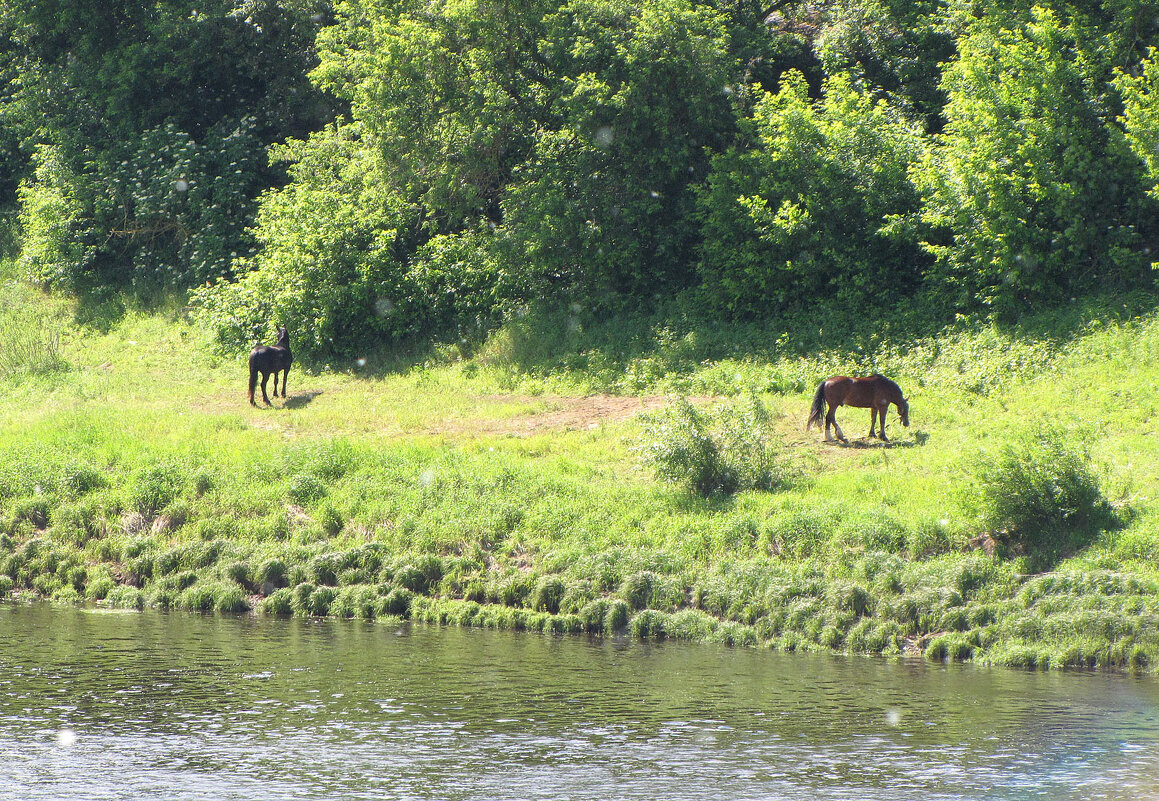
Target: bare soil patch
(564, 414)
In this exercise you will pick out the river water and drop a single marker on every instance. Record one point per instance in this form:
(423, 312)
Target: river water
(99, 705)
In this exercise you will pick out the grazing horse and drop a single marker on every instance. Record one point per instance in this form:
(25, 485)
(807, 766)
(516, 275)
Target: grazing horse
(875, 392)
(266, 359)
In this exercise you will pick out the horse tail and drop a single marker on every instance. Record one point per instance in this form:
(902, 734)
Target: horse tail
(253, 377)
(818, 409)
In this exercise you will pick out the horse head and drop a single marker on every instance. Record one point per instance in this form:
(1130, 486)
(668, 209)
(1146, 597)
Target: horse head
(283, 337)
(903, 411)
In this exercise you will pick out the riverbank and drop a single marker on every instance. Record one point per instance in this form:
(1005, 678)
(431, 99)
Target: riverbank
(472, 488)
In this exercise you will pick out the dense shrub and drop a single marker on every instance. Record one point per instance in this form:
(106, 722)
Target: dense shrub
(726, 450)
(149, 163)
(805, 210)
(1040, 494)
(156, 487)
(331, 266)
(1035, 198)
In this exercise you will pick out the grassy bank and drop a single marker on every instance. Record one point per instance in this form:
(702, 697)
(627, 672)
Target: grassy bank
(509, 486)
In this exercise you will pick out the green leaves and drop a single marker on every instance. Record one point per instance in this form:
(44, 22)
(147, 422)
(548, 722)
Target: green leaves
(330, 262)
(803, 211)
(149, 125)
(491, 154)
(1025, 178)
(720, 451)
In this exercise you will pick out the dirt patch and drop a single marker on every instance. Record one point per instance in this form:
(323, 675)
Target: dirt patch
(567, 414)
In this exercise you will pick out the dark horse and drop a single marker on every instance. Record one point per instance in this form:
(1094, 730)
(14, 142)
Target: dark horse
(266, 359)
(875, 392)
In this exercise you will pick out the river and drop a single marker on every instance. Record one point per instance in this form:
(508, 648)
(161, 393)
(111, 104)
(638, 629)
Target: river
(107, 705)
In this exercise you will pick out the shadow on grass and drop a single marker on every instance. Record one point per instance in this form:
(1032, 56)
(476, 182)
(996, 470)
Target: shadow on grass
(674, 337)
(1044, 549)
(679, 338)
(301, 399)
(864, 443)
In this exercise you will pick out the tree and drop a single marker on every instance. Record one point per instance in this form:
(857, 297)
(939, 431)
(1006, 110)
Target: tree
(894, 46)
(155, 119)
(1140, 119)
(604, 205)
(332, 265)
(1034, 200)
(808, 211)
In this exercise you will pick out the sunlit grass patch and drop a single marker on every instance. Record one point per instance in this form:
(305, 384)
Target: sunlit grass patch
(493, 491)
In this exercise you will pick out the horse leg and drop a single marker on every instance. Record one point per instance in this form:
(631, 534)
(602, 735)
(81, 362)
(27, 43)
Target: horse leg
(832, 418)
(285, 380)
(884, 409)
(872, 420)
(276, 382)
(265, 378)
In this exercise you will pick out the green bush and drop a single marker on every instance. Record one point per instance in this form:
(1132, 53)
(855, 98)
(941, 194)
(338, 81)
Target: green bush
(1033, 196)
(722, 451)
(280, 603)
(397, 601)
(156, 487)
(124, 597)
(271, 573)
(803, 211)
(1039, 495)
(329, 264)
(305, 488)
(548, 594)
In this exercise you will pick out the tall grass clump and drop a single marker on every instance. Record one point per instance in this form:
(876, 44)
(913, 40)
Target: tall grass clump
(1040, 496)
(718, 451)
(30, 334)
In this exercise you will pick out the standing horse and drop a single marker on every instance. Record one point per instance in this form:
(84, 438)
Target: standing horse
(266, 359)
(875, 392)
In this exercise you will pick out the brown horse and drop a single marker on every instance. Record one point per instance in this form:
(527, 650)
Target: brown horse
(875, 392)
(266, 359)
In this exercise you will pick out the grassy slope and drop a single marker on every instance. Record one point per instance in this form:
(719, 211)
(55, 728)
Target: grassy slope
(136, 474)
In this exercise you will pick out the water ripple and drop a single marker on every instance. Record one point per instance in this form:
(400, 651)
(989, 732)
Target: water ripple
(182, 706)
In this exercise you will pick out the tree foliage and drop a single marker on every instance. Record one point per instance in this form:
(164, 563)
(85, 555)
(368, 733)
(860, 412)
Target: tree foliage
(808, 211)
(1025, 179)
(366, 171)
(148, 122)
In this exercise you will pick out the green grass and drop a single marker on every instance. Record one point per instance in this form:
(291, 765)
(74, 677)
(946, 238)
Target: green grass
(482, 487)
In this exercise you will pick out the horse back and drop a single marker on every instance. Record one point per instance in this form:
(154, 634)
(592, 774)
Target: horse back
(858, 392)
(270, 357)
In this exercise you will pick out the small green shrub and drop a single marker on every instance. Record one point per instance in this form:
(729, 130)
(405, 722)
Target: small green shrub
(548, 594)
(280, 603)
(331, 520)
(637, 589)
(305, 489)
(319, 601)
(271, 574)
(617, 616)
(397, 601)
(81, 479)
(724, 451)
(156, 487)
(323, 569)
(34, 511)
(125, 597)
(360, 601)
(239, 573)
(1040, 495)
(649, 624)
